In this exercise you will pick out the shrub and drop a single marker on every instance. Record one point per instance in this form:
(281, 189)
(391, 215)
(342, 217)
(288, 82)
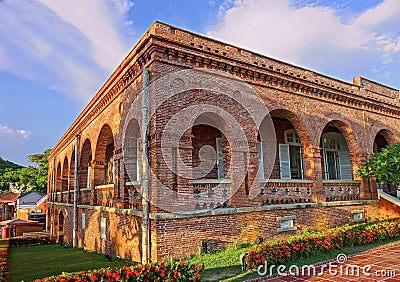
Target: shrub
(31, 241)
(173, 272)
(4, 246)
(309, 244)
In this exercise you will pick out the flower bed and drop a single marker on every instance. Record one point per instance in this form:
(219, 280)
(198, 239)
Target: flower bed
(4, 246)
(31, 241)
(309, 244)
(173, 272)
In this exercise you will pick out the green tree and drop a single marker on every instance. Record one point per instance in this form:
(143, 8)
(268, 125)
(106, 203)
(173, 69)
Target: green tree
(385, 166)
(7, 176)
(26, 178)
(42, 170)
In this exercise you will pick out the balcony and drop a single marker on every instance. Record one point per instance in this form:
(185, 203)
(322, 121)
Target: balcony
(211, 193)
(341, 190)
(105, 195)
(85, 195)
(134, 196)
(58, 197)
(280, 191)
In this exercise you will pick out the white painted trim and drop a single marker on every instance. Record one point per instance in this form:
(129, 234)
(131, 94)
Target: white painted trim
(131, 183)
(85, 189)
(305, 181)
(208, 181)
(388, 197)
(340, 181)
(105, 186)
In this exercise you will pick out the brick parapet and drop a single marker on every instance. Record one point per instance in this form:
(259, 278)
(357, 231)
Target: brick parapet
(172, 45)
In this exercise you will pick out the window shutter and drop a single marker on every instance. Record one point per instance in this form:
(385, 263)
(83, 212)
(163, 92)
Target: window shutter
(220, 158)
(301, 164)
(345, 165)
(260, 161)
(284, 161)
(89, 175)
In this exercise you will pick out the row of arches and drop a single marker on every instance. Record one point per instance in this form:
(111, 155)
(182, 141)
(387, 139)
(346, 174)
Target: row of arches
(95, 168)
(338, 148)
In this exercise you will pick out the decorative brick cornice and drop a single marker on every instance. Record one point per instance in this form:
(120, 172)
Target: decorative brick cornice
(165, 43)
(279, 79)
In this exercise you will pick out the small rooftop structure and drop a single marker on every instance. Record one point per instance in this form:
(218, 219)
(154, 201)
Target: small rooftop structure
(9, 197)
(31, 200)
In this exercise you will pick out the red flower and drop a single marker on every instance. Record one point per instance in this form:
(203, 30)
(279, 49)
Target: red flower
(94, 278)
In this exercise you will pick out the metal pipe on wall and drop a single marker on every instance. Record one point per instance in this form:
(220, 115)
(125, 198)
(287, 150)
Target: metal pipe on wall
(145, 165)
(75, 215)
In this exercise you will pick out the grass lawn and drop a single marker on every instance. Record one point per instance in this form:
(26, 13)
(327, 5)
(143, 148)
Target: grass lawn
(226, 266)
(29, 263)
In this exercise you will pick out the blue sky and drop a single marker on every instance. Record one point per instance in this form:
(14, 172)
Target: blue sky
(56, 54)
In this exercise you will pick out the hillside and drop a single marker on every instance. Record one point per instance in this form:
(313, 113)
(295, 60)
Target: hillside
(7, 164)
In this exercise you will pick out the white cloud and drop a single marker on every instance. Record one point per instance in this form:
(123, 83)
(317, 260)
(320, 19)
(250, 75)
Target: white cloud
(69, 45)
(123, 6)
(15, 134)
(323, 38)
(91, 18)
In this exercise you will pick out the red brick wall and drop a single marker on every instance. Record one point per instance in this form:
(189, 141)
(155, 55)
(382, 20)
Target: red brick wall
(182, 237)
(296, 97)
(122, 235)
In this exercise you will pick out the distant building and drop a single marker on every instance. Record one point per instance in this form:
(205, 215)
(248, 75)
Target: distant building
(8, 205)
(194, 144)
(31, 206)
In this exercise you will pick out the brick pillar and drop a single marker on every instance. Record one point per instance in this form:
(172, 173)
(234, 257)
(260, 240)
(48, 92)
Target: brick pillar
(118, 179)
(70, 188)
(175, 151)
(312, 161)
(185, 151)
(98, 179)
(367, 188)
(373, 188)
(82, 181)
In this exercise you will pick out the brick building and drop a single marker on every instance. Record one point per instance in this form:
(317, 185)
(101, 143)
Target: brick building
(193, 144)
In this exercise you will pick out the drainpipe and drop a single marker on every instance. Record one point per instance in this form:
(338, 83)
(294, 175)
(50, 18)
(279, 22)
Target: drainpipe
(145, 166)
(74, 220)
(52, 194)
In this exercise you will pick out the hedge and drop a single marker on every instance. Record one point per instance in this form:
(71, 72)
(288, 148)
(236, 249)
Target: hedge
(172, 272)
(310, 244)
